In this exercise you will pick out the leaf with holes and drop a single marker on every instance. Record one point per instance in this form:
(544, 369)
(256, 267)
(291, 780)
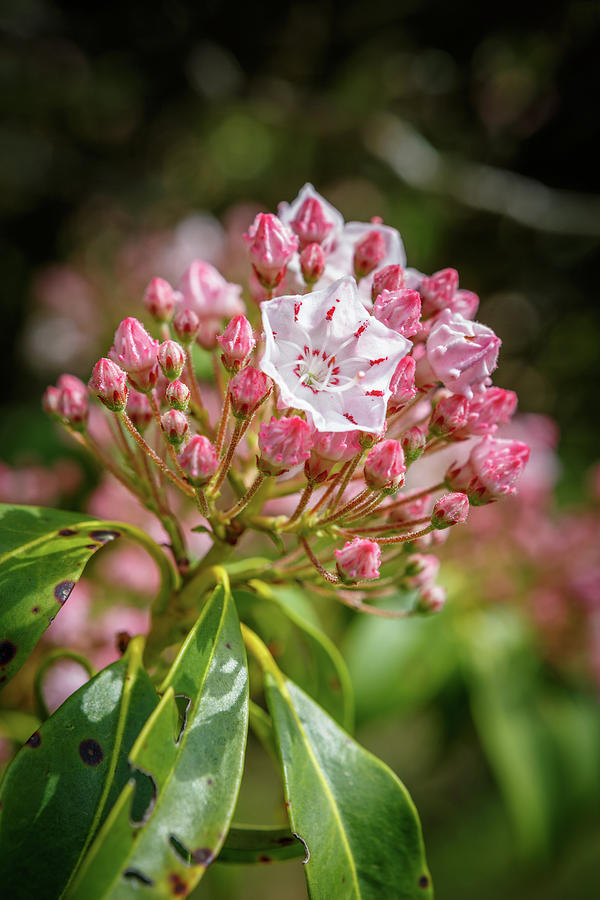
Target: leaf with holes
(192, 752)
(42, 555)
(63, 782)
(302, 650)
(360, 827)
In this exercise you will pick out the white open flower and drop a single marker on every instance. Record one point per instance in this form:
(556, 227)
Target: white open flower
(330, 358)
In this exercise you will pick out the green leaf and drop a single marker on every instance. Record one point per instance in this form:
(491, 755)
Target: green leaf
(62, 783)
(252, 844)
(302, 650)
(42, 555)
(192, 754)
(360, 827)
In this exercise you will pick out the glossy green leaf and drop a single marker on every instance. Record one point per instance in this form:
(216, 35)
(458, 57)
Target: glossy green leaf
(251, 844)
(301, 649)
(192, 754)
(360, 827)
(63, 782)
(42, 555)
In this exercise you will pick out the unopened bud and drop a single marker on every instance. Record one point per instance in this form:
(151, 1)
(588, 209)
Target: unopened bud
(247, 390)
(283, 443)
(452, 509)
(139, 410)
(159, 300)
(358, 560)
(199, 460)
(171, 358)
(400, 310)
(413, 443)
(109, 383)
(73, 402)
(237, 343)
(177, 395)
(271, 245)
(312, 263)
(175, 427)
(449, 416)
(390, 278)
(438, 290)
(432, 599)
(384, 466)
(50, 401)
(402, 385)
(368, 253)
(186, 326)
(421, 570)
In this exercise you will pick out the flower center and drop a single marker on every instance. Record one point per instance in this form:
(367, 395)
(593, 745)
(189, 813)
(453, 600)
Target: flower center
(317, 370)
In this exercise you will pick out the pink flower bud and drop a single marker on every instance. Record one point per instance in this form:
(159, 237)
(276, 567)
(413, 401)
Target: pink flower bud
(171, 358)
(237, 343)
(462, 354)
(402, 385)
(368, 253)
(159, 300)
(490, 471)
(390, 278)
(421, 570)
(283, 444)
(449, 416)
(413, 443)
(438, 290)
(139, 410)
(199, 460)
(452, 509)
(358, 560)
(186, 326)
(312, 263)
(411, 510)
(177, 395)
(329, 448)
(109, 383)
(134, 349)
(50, 401)
(72, 403)
(488, 410)
(384, 465)
(247, 390)
(465, 303)
(311, 224)
(271, 245)
(400, 310)
(175, 427)
(432, 599)
(205, 291)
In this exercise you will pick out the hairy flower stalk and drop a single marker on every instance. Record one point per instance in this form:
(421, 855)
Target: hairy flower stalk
(366, 366)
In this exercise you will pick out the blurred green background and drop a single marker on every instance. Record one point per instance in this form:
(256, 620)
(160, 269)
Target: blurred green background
(473, 129)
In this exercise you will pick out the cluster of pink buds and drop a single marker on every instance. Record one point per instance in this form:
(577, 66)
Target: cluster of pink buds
(355, 369)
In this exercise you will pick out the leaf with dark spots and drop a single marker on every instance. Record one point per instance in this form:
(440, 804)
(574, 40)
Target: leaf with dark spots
(91, 752)
(134, 875)
(42, 556)
(63, 590)
(177, 885)
(8, 651)
(355, 816)
(182, 748)
(245, 844)
(54, 803)
(104, 535)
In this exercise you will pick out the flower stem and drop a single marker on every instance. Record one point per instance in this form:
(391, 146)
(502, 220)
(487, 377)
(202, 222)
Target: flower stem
(186, 488)
(328, 576)
(245, 500)
(306, 495)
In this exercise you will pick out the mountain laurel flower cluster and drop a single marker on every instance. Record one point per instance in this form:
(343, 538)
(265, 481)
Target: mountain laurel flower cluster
(340, 371)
